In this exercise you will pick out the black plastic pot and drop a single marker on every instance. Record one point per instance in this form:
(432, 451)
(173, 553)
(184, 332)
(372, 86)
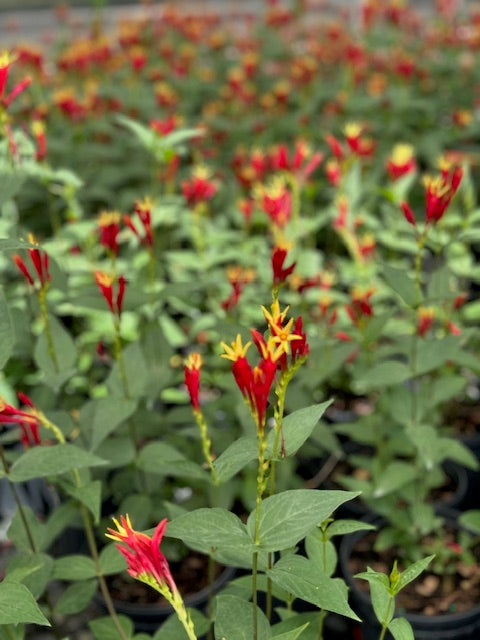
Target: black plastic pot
(449, 626)
(148, 617)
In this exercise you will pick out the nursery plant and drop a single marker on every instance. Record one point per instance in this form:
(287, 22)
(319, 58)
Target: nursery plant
(218, 240)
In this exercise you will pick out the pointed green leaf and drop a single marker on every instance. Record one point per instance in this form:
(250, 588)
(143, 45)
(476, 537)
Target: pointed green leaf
(471, 520)
(234, 619)
(384, 374)
(44, 461)
(207, 529)
(412, 572)
(342, 527)
(382, 600)
(74, 567)
(76, 597)
(163, 459)
(302, 578)
(17, 605)
(401, 629)
(293, 634)
(400, 281)
(111, 560)
(105, 629)
(235, 457)
(173, 629)
(90, 495)
(287, 517)
(298, 426)
(108, 414)
(397, 474)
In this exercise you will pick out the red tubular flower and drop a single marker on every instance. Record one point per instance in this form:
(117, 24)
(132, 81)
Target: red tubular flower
(143, 209)
(191, 371)
(408, 213)
(28, 421)
(109, 226)
(426, 316)
(401, 161)
(254, 384)
(280, 274)
(38, 130)
(40, 263)
(105, 284)
(276, 201)
(440, 191)
(299, 348)
(23, 268)
(144, 559)
(200, 188)
(6, 60)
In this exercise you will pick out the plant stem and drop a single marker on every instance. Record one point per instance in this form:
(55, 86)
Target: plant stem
(48, 330)
(385, 624)
(321, 623)
(262, 467)
(100, 577)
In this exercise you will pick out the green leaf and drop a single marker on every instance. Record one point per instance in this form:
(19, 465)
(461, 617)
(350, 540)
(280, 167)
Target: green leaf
(342, 527)
(105, 629)
(293, 634)
(379, 594)
(44, 461)
(401, 629)
(234, 619)
(163, 459)
(175, 336)
(383, 374)
(173, 629)
(136, 373)
(17, 534)
(208, 529)
(17, 605)
(7, 334)
(12, 244)
(90, 495)
(35, 581)
(322, 553)
(400, 282)
(452, 449)
(287, 517)
(108, 414)
(471, 520)
(235, 457)
(65, 354)
(111, 560)
(302, 578)
(74, 567)
(395, 475)
(412, 572)
(76, 597)
(298, 426)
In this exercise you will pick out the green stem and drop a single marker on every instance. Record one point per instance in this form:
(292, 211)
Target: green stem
(387, 616)
(8, 633)
(48, 330)
(206, 444)
(92, 545)
(120, 360)
(254, 593)
(262, 467)
(321, 623)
